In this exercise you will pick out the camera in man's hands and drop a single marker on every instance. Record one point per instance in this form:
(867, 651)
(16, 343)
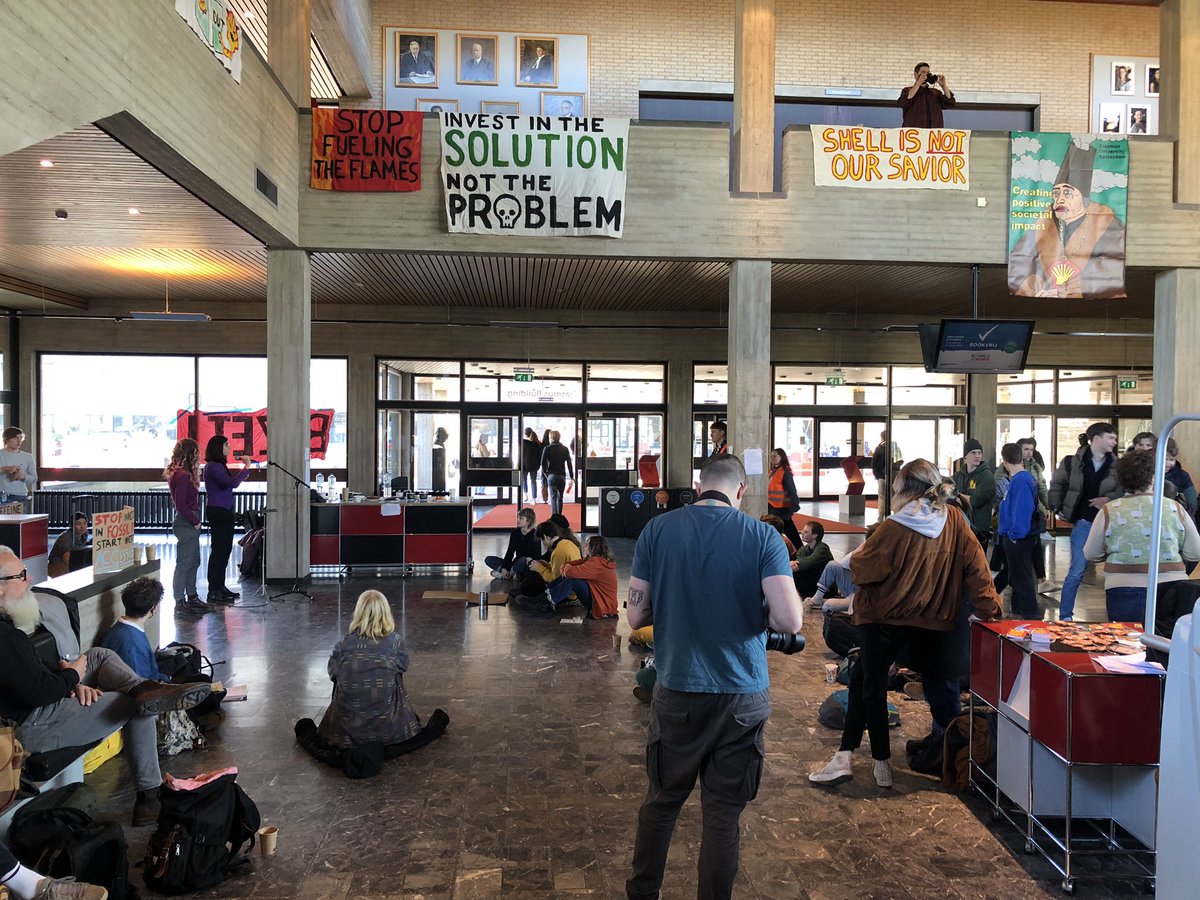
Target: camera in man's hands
(931, 78)
(784, 643)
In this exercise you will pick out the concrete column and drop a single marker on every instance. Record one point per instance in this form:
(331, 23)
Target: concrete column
(1179, 92)
(677, 467)
(364, 469)
(289, 336)
(981, 415)
(750, 370)
(754, 96)
(1176, 336)
(289, 35)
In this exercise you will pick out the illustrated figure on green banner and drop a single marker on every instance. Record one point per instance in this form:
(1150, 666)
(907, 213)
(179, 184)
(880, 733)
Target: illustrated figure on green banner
(1067, 214)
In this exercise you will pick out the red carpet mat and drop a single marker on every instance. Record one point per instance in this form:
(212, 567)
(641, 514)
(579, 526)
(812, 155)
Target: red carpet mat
(505, 515)
(831, 526)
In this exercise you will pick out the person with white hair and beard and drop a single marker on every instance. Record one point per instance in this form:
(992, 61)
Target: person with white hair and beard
(85, 699)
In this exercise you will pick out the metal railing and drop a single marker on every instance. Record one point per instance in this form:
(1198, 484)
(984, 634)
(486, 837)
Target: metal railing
(151, 509)
(1149, 638)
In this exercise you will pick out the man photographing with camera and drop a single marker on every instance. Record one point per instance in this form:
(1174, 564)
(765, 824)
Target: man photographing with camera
(700, 576)
(922, 102)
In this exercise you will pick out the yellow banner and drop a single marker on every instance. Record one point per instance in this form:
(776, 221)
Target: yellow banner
(891, 158)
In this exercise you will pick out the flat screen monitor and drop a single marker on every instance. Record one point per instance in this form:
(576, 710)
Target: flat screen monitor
(982, 346)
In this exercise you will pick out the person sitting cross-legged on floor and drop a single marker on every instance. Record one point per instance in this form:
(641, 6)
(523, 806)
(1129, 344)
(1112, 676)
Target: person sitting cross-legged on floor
(811, 557)
(522, 544)
(369, 718)
(593, 579)
(83, 700)
(562, 550)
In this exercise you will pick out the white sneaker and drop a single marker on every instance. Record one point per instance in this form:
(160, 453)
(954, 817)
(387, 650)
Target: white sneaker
(836, 771)
(883, 773)
(1046, 587)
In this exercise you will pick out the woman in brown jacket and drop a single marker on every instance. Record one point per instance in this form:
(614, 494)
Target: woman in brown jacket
(911, 576)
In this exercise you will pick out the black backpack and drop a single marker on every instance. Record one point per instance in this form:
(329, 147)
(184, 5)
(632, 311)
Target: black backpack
(199, 837)
(64, 841)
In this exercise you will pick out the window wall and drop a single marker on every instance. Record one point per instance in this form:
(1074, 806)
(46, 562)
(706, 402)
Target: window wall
(125, 429)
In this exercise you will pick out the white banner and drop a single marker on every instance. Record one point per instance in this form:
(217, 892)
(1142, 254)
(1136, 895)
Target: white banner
(891, 158)
(534, 175)
(217, 25)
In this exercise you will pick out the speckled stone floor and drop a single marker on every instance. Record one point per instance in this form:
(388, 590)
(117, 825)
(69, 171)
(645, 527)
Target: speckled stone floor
(533, 791)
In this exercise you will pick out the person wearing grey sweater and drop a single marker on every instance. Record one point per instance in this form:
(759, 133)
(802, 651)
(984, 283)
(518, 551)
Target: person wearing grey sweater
(18, 471)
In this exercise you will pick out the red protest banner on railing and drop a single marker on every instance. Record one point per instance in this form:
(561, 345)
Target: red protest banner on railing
(366, 150)
(247, 431)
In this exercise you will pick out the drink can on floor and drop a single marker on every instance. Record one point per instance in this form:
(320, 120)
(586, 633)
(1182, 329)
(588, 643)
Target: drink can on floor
(483, 598)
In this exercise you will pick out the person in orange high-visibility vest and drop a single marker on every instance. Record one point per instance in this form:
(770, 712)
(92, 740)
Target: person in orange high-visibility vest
(782, 499)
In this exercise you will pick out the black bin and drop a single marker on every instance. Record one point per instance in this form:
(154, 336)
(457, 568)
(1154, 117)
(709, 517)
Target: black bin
(612, 512)
(637, 509)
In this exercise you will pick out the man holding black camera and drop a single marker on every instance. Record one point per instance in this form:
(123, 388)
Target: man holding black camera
(700, 575)
(922, 102)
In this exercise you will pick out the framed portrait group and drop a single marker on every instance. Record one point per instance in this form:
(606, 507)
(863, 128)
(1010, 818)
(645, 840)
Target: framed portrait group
(487, 69)
(1125, 95)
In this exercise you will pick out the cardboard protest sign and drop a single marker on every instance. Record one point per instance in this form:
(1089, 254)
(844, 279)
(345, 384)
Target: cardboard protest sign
(112, 540)
(890, 158)
(366, 150)
(534, 175)
(247, 431)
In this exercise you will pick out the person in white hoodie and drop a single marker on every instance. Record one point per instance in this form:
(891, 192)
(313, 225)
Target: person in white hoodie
(910, 578)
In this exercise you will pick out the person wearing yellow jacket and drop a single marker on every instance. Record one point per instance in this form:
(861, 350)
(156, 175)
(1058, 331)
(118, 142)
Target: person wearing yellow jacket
(561, 551)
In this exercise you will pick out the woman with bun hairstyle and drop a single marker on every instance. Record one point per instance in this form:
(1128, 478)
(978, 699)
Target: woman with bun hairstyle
(183, 481)
(219, 485)
(911, 576)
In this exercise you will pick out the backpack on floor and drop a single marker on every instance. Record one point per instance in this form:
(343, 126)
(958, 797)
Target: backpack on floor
(201, 829)
(832, 713)
(63, 841)
(957, 752)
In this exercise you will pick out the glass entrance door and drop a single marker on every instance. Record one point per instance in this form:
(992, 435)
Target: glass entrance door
(701, 439)
(567, 425)
(844, 447)
(493, 455)
(620, 450)
(794, 435)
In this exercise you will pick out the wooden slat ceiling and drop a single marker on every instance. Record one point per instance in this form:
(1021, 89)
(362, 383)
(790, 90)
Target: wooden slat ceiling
(103, 252)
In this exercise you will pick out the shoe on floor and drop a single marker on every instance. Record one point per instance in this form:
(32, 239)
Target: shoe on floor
(642, 694)
(146, 807)
(914, 690)
(68, 889)
(883, 773)
(1046, 587)
(215, 599)
(232, 595)
(496, 573)
(154, 697)
(836, 771)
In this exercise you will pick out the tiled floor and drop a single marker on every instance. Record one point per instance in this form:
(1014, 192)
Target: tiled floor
(534, 789)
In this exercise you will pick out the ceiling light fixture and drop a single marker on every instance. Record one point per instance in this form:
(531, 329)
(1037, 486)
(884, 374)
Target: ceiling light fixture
(134, 211)
(165, 314)
(61, 215)
(47, 164)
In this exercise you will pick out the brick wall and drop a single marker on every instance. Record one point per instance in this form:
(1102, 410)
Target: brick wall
(981, 45)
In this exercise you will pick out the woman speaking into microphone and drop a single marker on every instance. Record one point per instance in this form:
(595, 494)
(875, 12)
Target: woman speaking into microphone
(219, 484)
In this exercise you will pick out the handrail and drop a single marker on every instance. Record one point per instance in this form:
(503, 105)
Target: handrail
(1149, 638)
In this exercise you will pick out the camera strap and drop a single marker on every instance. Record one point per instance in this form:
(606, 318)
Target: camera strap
(714, 495)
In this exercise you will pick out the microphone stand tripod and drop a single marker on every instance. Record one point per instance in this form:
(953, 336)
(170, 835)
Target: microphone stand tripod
(296, 587)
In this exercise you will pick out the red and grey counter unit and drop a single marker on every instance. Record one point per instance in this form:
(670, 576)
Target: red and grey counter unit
(393, 533)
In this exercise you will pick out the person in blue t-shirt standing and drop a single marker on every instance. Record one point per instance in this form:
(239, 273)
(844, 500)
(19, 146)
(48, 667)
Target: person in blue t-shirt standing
(700, 575)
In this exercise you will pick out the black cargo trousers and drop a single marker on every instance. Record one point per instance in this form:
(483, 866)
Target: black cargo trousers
(718, 738)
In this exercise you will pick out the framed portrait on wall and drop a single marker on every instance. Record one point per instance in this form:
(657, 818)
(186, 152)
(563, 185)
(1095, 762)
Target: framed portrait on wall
(1122, 77)
(416, 59)
(436, 104)
(564, 103)
(500, 107)
(1112, 117)
(1151, 81)
(1137, 119)
(477, 58)
(537, 61)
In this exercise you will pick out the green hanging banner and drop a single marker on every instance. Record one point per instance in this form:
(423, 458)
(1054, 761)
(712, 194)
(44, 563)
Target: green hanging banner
(1067, 212)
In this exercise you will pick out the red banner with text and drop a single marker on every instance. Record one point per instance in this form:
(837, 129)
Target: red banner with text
(247, 431)
(366, 150)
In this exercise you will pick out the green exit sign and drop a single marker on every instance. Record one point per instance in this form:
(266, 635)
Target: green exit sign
(835, 380)
(1127, 384)
(523, 376)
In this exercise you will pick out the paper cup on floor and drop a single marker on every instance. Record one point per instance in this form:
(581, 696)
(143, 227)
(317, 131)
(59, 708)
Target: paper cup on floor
(831, 673)
(617, 639)
(268, 839)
